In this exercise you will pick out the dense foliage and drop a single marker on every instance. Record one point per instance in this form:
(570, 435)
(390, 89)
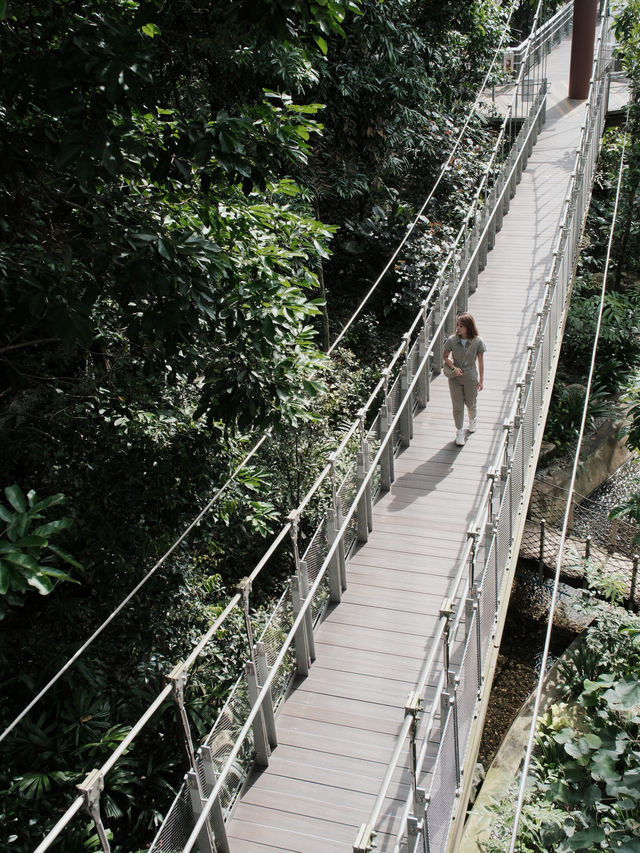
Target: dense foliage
(176, 176)
(583, 791)
(618, 353)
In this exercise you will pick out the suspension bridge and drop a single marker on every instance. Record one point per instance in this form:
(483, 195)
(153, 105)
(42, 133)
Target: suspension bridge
(357, 721)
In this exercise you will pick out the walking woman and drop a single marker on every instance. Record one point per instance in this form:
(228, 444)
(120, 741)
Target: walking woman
(461, 352)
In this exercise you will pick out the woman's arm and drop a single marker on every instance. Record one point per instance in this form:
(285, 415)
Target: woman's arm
(448, 360)
(480, 370)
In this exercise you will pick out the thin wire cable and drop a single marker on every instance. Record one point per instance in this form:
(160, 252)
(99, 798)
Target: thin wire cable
(223, 488)
(565, 524)
(131, 595)
(443, 169)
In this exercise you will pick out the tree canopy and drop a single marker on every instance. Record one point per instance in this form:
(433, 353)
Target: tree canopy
(180, 180)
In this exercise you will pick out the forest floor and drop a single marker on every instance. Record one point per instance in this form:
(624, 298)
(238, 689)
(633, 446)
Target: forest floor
(516, 674)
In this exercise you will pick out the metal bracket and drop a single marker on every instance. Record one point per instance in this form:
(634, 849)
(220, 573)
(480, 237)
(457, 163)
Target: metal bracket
(414, 704)
(91, 788)
(364, 842)
(446, 608)
(178, 678)
(244, 587)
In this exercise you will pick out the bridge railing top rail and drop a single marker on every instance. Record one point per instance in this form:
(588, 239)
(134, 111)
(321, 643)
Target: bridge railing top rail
(542, 38)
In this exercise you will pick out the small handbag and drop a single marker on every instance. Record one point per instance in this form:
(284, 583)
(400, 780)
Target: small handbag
(448, 371)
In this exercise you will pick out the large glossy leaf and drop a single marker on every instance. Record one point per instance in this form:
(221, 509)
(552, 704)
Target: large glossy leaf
(40, 582)
(65, 555)
(24, 561)
(16, 498)
(624, 696)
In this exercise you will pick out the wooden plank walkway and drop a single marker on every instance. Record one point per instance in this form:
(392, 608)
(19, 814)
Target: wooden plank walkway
(337, 729)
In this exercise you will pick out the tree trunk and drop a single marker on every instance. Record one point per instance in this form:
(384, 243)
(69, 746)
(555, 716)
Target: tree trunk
(323, 293)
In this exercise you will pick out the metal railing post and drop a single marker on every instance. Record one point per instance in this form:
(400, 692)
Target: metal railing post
(300, 640)
(453, 706)
(91, 788)
(542, 546)
(365, 839)
(337, 506)
(413, 708)
(406, 418)
(244, 588)
(261, 746)
(473, 535)
(217, 813)
(422, 385)
(387, 474)
(333, 570)
(303, 574)
(205, 841)
(446, 611)
(262, 671)
(413, 833)
(368, 497)
(178, 679)
(362, 513)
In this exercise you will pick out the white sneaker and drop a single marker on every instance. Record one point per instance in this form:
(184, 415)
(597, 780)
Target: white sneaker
(473, 424)
(460, 437)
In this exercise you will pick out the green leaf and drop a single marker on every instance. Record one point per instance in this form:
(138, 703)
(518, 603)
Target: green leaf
(150, 30)
(584, 839)
(40, 582)
(604, 766)
(31, 541)
(322, 44)
(23, 560)
(629, 847)
(16, 498)
(5, 514)
(624, 696)
(5, 576)
(51, 572)
(64, 555)
(53, 527)
(52, 500)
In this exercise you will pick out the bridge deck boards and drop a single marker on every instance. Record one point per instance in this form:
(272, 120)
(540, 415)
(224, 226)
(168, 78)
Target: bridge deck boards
(337, 730)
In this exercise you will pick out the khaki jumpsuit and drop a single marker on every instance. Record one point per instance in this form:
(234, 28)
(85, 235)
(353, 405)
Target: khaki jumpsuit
(464, 389)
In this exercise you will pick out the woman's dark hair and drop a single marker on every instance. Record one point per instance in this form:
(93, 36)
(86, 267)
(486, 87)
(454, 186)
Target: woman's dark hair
(470, 325)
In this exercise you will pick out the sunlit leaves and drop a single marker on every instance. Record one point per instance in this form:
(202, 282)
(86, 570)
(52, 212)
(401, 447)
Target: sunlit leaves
(27, 558)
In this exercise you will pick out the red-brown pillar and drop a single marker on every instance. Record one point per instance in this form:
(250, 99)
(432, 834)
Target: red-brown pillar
(585, 13)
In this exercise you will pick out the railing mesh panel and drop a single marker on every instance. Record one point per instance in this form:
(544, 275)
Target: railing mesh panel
(487, 602)
(347, 491)
(467, 693)
(442, 790)
(177, 825)
(314, 557)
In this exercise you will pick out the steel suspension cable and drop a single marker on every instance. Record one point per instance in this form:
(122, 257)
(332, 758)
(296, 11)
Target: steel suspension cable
(565, 524)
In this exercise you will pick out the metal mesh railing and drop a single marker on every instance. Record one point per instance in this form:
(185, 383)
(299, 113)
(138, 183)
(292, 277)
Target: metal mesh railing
(541, 42)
